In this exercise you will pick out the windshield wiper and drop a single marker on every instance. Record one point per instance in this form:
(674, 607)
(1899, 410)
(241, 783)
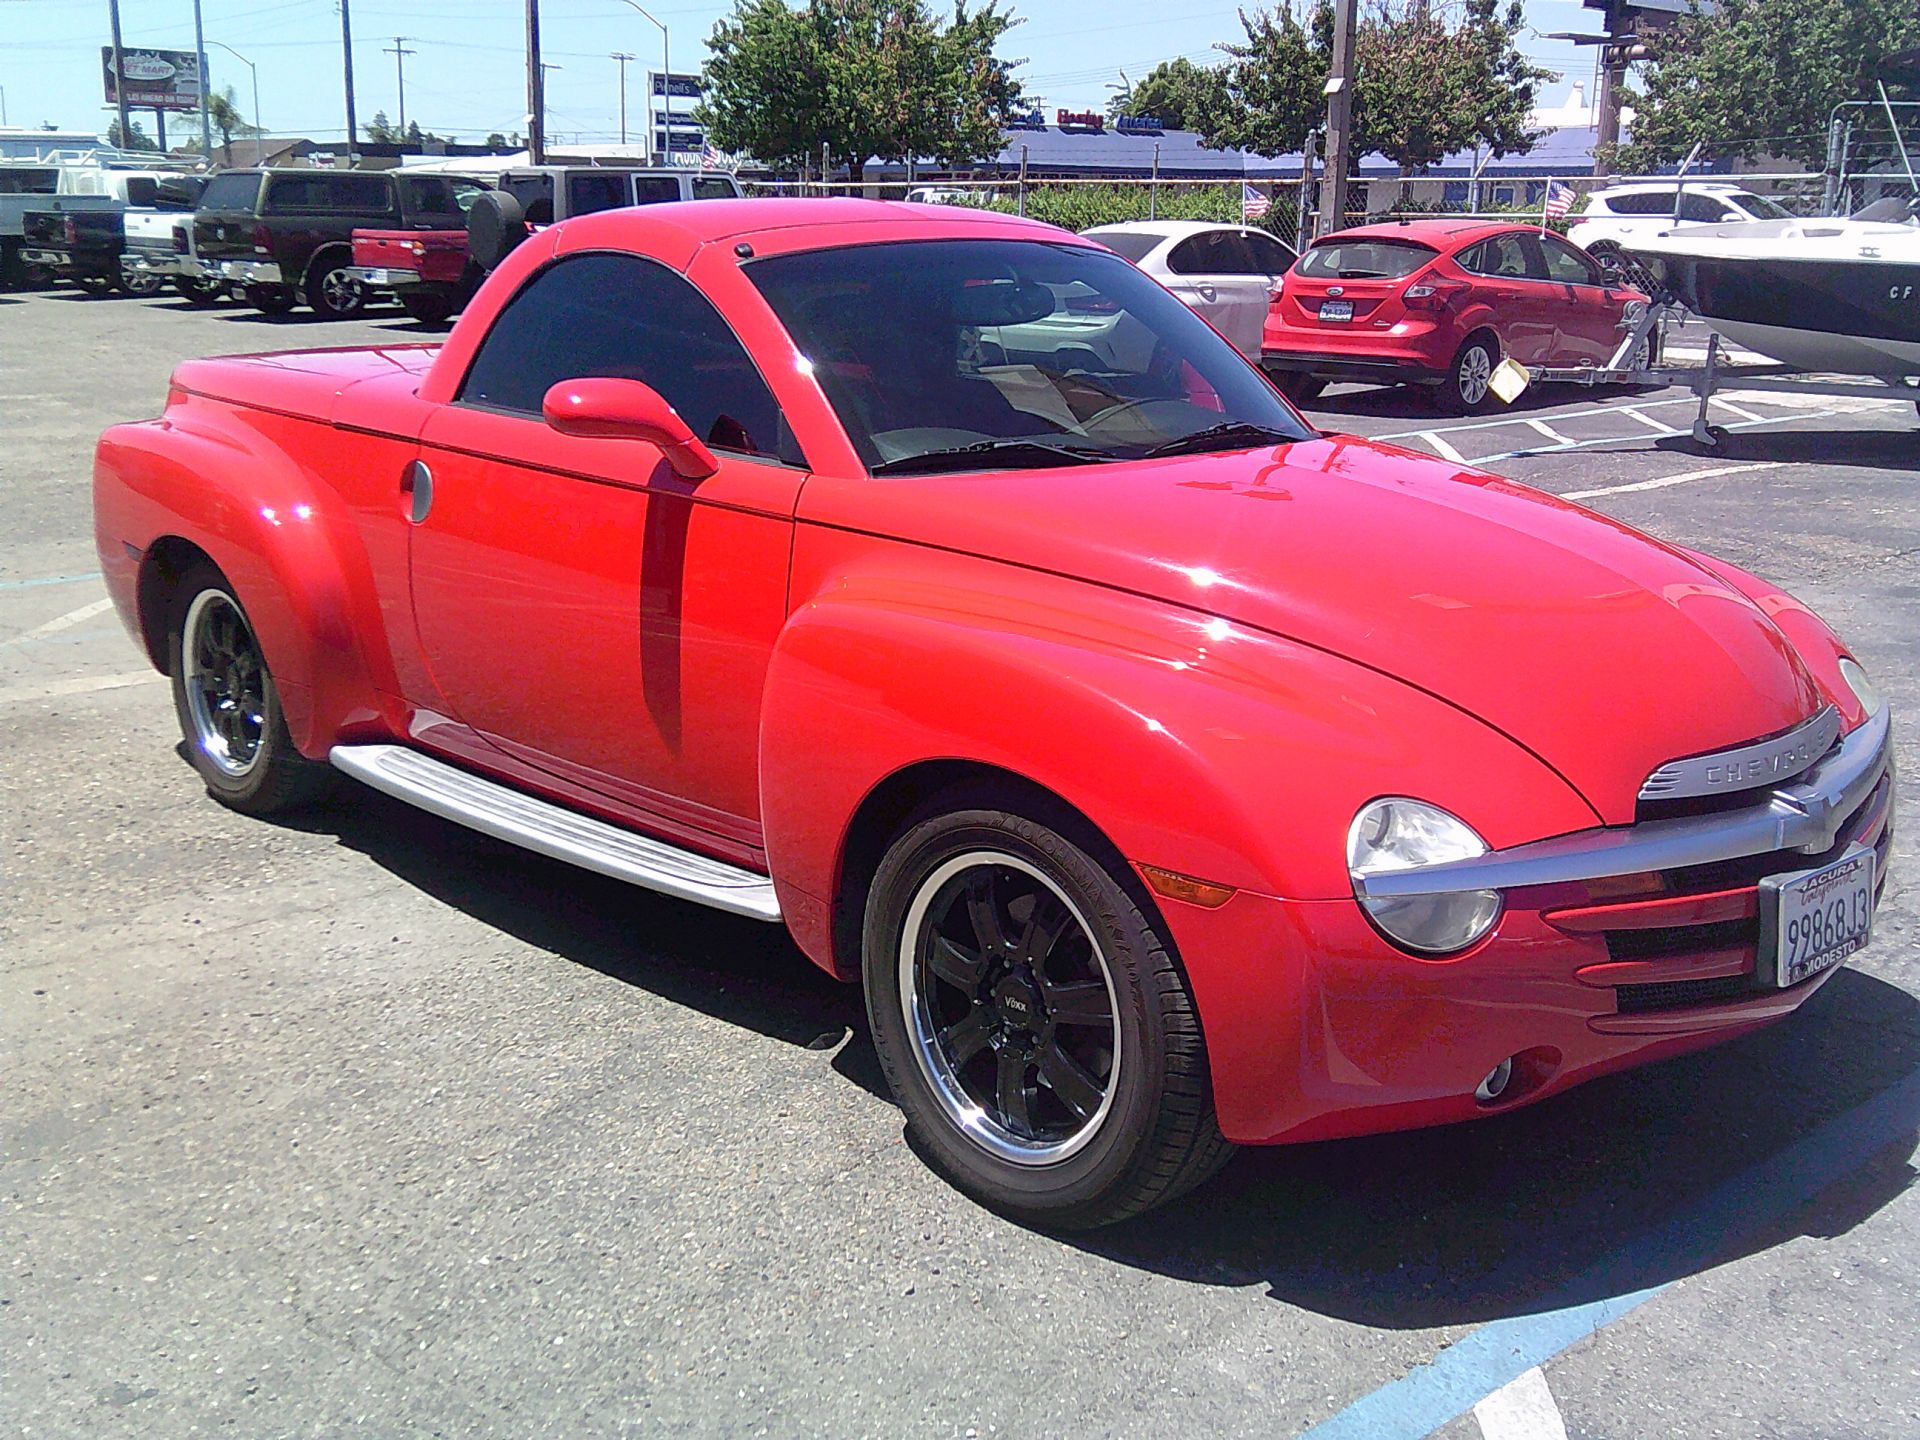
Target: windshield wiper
(1231, 432)
(1001, 454)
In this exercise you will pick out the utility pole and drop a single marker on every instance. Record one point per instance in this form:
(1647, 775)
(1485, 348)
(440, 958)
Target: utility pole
(346, 53)
(536, 89)
(400, 54)
(119, 76)
(1333, 214)
(623, 57)
(200, 58)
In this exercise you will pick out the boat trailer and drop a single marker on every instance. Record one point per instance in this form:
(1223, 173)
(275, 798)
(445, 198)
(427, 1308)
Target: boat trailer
(1650, 328)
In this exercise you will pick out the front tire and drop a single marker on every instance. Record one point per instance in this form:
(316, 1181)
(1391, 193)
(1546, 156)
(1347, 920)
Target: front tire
(1032, 1024)
(229, 708)
(270, 299)
(427, 309)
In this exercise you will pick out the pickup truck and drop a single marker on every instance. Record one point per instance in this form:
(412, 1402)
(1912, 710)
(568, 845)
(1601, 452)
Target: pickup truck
(158, 250)
(434, 273)
(1169, 773)
(283, 236)
(32, 185)
(91, 247)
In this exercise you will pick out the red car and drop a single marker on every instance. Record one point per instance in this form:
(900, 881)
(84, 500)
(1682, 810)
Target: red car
(1170, 774)
(1441, 302)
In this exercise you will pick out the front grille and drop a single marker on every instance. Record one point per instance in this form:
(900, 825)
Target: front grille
(1669, 940)
(1680, 994)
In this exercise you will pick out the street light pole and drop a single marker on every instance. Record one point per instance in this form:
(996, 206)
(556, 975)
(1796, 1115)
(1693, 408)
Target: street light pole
(200, 58)
(254, 70)
(346, 53)
(400, 53)
(623, 57)
(666, 83)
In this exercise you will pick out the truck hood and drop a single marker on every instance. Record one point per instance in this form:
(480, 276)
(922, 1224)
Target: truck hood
(1596, 647)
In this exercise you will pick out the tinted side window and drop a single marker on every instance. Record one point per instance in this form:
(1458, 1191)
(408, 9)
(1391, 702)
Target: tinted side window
(588, 193)
(1270, 257)
(655, 189)
(1505, 257)
(714, 187)
(441, 196)
(1200, 254)
(1704, 207)
(321, 191)
(1567, 264)
(622, 317)
(230, 192)
(1646, 202)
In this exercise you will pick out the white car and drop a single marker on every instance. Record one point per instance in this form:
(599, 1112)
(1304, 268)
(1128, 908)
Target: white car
(1224, 272)
(1620, 212)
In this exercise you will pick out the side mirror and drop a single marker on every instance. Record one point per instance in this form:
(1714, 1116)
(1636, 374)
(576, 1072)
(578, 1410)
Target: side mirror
(627, 410)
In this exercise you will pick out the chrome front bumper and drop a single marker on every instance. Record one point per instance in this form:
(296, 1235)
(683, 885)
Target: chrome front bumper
(248, 272)
(1805, 815)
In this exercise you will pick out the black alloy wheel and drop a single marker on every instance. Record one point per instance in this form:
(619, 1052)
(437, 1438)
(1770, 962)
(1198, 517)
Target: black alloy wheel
(1030, 1018)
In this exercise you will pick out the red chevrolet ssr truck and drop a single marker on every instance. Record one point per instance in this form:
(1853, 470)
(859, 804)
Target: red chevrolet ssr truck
(932, 582)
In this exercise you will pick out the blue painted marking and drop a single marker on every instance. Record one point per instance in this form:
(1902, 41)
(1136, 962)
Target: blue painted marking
(1472, 1368)
(48, 580)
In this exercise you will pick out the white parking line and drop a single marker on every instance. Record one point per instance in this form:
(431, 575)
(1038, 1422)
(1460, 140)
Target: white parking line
(1646, 420)
(61, 622)
(1547, 430)
(1740, 410)
(79, 685)
(1522, 1409)
(1442, 447)
(1665, 480)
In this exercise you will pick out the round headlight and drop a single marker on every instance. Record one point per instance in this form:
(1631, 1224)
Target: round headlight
(1852, 672)
(1399, 834)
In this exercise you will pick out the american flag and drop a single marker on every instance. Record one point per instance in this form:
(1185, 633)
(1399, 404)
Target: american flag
(1560, 199)
(1253, 205)
(712, 158)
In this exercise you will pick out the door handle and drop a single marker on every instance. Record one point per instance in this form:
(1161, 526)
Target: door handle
(416, 483)
(1207, 292)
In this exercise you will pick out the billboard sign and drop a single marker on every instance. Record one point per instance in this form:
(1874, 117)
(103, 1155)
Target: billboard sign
(152, 79)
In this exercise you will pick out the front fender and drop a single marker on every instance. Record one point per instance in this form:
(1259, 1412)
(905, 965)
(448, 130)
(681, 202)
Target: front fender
(224, 481)
(1193, 744)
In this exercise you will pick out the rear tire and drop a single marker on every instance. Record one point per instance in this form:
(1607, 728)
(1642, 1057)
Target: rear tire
(427, 309)
(1298, 386)
(1036, 1032)
(201, 293)
(229, 707)
(270, 299)
(332, 292)
(97, 286)
(140, 283)
(1466, 391)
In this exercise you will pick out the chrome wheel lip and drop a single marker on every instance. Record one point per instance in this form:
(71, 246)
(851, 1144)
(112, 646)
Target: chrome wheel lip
(199, 683)
(961, 1110)
(1476, 369)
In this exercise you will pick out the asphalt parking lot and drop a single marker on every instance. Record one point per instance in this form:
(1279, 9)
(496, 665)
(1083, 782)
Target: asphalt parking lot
(364, 1124)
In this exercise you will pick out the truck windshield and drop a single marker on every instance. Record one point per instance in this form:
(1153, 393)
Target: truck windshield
(1000, 354)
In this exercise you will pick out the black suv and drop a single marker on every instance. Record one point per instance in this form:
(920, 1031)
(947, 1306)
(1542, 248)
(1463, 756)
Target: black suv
(283, 236)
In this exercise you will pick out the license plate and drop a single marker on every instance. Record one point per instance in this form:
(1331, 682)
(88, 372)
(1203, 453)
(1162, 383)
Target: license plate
(1336, 310)
(1811, 920)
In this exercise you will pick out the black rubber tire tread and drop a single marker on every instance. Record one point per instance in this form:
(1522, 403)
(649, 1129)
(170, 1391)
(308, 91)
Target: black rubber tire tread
(283, 779)
(1182, 1146)
(317, 272)
(196, 292)
(1450, 398)
(1298, 386)
(428, 309)
(270, 299)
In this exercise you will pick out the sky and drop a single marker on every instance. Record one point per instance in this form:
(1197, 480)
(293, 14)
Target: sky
(466, 76)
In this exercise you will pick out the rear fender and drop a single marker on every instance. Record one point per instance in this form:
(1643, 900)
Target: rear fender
(1192, 744)
(208, 475)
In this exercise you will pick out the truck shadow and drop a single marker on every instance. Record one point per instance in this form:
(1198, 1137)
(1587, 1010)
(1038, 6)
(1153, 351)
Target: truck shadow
(1628, 1182)
(1632, 1181)
(742, 971)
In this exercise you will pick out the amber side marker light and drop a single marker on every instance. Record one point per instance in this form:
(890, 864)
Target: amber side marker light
(1171, 885)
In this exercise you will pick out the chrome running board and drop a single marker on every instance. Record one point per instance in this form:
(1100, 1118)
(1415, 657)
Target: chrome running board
(553, 830)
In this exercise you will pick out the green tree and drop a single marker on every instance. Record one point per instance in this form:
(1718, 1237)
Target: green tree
(223, 110)
(382, 131)
(1427, 88)
(1758, 77)
(1177, 92)
(136, 138)
(1428, 81)
(868, 78)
